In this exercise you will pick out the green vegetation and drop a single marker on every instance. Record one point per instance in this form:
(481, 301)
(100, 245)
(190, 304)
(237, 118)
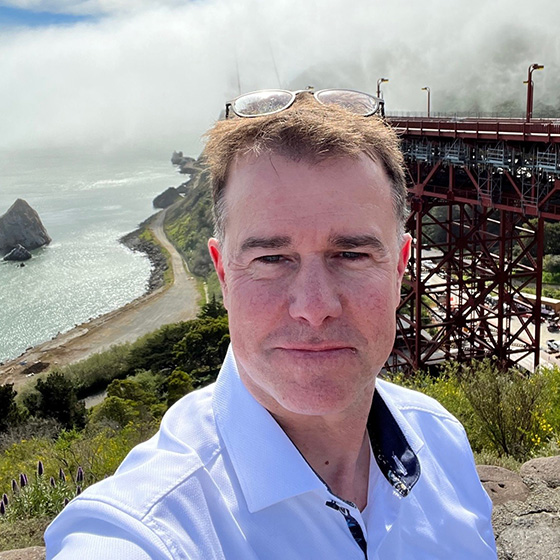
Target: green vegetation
(509, 416)
(189, 225)
(48, 424)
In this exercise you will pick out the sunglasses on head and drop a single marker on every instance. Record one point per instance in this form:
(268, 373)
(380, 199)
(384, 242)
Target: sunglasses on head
(269, 101)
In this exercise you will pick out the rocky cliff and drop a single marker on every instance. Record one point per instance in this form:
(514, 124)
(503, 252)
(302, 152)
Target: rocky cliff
(21, 225)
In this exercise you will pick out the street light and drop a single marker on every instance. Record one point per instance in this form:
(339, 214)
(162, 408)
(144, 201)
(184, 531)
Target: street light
(428, 90)
(530, 89)
(379, 82)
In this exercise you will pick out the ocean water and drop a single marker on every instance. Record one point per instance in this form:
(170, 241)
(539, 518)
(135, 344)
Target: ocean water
(86, 201)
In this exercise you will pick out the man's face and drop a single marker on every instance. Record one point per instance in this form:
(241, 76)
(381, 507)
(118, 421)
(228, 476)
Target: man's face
(310, 269)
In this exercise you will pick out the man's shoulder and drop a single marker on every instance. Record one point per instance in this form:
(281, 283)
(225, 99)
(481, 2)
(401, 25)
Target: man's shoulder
(176, 456)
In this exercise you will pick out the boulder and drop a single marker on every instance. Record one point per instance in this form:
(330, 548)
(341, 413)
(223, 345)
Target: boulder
(546, 469)
(33, 553)
(166, 198)
(21, 225)
(18, 253)
(502, 485)
(176, 158)
(535, 536)
(529, 527)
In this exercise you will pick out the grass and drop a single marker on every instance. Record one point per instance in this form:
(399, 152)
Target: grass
(18, 534)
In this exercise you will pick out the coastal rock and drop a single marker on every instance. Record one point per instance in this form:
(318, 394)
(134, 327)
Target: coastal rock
(33, 553)
(187, 165)
(189, 169)
(527, 526)
(536, 536)
(546, 469)
(18, 253)
(21, 225)
(176, 158)
(501, 484)
(166, 198)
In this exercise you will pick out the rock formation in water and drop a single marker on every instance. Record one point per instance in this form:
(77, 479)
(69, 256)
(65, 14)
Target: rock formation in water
(166, 198)
(187, 165)
(18, 253)
(21, 225)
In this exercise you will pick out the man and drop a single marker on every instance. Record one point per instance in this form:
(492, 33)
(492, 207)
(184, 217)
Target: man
(297, 451)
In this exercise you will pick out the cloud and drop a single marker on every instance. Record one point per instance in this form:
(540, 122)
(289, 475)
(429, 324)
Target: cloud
(158, 73)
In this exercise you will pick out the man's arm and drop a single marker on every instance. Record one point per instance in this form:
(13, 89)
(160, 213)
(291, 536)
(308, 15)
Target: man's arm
(93, 530)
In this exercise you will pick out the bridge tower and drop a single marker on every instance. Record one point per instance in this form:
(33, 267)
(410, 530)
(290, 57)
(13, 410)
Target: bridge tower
(480, 192)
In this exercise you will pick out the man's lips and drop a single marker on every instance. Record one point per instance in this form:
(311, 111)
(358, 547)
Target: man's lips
(317, 348)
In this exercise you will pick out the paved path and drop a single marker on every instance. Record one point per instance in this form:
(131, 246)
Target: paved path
(177, 302)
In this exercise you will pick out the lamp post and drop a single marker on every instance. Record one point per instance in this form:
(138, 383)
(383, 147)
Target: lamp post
(428, 90)
(530, 88)
(379, 82)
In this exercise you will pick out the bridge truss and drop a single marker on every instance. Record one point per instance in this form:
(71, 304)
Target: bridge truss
(480, 194)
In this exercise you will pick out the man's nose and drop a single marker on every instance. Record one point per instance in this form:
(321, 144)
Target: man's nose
(314, 294)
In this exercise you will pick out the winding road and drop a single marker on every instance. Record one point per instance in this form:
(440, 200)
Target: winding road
(171, 304)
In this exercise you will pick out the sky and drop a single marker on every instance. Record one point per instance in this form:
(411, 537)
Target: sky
(155, 74)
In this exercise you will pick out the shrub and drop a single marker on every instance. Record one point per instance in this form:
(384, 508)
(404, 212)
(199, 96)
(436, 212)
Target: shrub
(508, 404)
(203, 349)
(93, 374)
(10, 415)
(505, 413)
(55, 397)
(178, 384)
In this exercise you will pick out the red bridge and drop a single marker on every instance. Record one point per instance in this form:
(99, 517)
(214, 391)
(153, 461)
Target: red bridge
(480, 192)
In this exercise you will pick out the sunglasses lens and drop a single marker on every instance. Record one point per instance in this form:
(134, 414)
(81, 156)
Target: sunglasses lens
(262, 103)
(353, 101)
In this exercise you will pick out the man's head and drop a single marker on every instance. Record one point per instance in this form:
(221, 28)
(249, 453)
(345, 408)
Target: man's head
(311, 256)
(307, 131)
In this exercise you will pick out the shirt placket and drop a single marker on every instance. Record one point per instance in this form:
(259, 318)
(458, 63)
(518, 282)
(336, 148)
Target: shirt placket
(353, 519)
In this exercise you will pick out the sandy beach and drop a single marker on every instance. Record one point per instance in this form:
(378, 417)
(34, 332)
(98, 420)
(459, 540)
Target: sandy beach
(177, 302)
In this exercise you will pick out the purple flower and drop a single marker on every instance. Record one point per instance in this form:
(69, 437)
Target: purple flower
(15, 486)
(52, 481)
(66, 502)
(61, 475)
(2, 508)
(80, 475)
(5, 499)
(40, 468)
(22, 480)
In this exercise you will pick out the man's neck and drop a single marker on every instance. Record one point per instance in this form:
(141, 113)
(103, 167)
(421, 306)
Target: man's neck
(337, 450)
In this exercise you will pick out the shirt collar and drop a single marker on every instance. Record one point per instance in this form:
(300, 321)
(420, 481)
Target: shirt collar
(270, 468)
(394, 443)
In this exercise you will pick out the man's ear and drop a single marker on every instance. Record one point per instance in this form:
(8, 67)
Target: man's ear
(215, 250)
(404, 255)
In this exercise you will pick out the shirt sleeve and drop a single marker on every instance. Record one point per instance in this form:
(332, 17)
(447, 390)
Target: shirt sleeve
(88, 529)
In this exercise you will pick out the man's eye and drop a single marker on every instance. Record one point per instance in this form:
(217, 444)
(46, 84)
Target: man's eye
(352, 255)
(270, 259)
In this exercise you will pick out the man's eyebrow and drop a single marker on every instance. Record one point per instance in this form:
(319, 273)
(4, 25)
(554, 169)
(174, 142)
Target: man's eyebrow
(275, 242)
(357, 241)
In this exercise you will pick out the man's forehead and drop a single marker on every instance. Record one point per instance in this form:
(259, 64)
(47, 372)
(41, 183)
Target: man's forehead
(246, 161)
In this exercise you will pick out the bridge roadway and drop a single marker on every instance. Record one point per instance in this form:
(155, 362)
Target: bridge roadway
(483, 129)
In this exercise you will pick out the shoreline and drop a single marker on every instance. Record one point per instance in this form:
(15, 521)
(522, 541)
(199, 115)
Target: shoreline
(86, 338)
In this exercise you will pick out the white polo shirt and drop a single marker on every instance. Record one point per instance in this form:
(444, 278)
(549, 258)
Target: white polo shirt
(221, 480)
